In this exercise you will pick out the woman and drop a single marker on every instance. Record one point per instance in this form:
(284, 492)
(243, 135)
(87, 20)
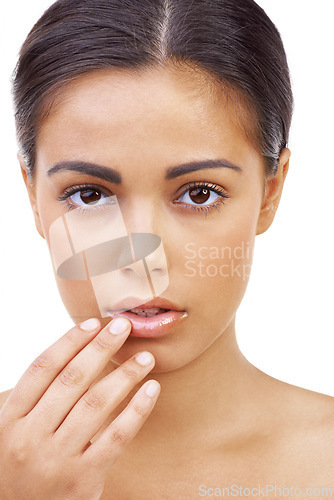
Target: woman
(175, 117)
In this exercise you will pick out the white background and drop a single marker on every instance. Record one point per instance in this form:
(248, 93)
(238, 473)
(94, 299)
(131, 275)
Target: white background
(285, 323)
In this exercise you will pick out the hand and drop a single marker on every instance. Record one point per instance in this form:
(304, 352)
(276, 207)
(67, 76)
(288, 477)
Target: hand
(52, 414)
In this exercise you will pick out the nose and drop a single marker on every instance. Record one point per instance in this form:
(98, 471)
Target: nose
(146, 240)
(148, 255)
(141, 214)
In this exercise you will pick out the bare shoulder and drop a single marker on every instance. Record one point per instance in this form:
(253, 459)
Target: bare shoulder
(4, 396)
(310, 409)
(306, 432)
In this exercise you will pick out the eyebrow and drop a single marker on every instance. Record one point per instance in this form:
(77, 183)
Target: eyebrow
(104, 173)
(111, 175)
(177, 171)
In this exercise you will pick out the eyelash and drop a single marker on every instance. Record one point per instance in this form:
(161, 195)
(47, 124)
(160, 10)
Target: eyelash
(188, 187)
(205, 208)
(70, 191)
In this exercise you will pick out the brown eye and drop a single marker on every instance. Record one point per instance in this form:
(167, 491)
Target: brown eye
(86, 197)
(202, 195)
(90, 196)
(199, 195)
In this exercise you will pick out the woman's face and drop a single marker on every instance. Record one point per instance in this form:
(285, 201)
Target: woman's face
(141, 125)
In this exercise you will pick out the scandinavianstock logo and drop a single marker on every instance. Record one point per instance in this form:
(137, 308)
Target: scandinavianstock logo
(211, 262)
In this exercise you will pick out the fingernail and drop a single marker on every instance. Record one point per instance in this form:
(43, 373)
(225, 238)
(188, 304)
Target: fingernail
(90, 325)
(144, 358)
(119, 325)
(152, 389)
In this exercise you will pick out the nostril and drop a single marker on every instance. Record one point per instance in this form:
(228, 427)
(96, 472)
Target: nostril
(136, 270)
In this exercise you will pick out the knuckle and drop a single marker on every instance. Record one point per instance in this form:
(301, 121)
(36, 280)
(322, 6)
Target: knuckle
(19, 452)
(71, 337)
(118, 436)
(70, 376)
(139, 410)
(92, 401)
(101, 343)
(42, 364)
(131, 374)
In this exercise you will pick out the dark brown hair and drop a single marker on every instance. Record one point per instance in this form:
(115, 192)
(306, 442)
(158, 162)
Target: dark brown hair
(233, 40)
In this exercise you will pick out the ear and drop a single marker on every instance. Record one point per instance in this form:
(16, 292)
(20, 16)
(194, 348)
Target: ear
(272, 193)
(31, 193)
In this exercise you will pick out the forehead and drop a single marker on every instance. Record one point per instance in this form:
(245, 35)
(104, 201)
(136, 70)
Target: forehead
(170, 108)
(136, 91)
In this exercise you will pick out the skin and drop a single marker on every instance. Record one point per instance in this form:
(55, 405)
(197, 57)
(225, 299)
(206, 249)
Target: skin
(212, 398)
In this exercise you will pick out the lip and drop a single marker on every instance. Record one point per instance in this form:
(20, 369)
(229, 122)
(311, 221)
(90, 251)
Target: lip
(132, 302)
(153, 326)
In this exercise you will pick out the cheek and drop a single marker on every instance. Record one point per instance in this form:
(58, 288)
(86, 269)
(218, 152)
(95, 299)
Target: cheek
(216, 267)
(79, 299)
(77, 294)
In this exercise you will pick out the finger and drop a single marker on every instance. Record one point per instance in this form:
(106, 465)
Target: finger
(91, 411)
(117, 436)
(43, 370)
(75, 378)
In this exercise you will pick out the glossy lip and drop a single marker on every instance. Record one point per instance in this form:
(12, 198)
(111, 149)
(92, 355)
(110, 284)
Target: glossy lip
(126, 304)
(153, 326)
